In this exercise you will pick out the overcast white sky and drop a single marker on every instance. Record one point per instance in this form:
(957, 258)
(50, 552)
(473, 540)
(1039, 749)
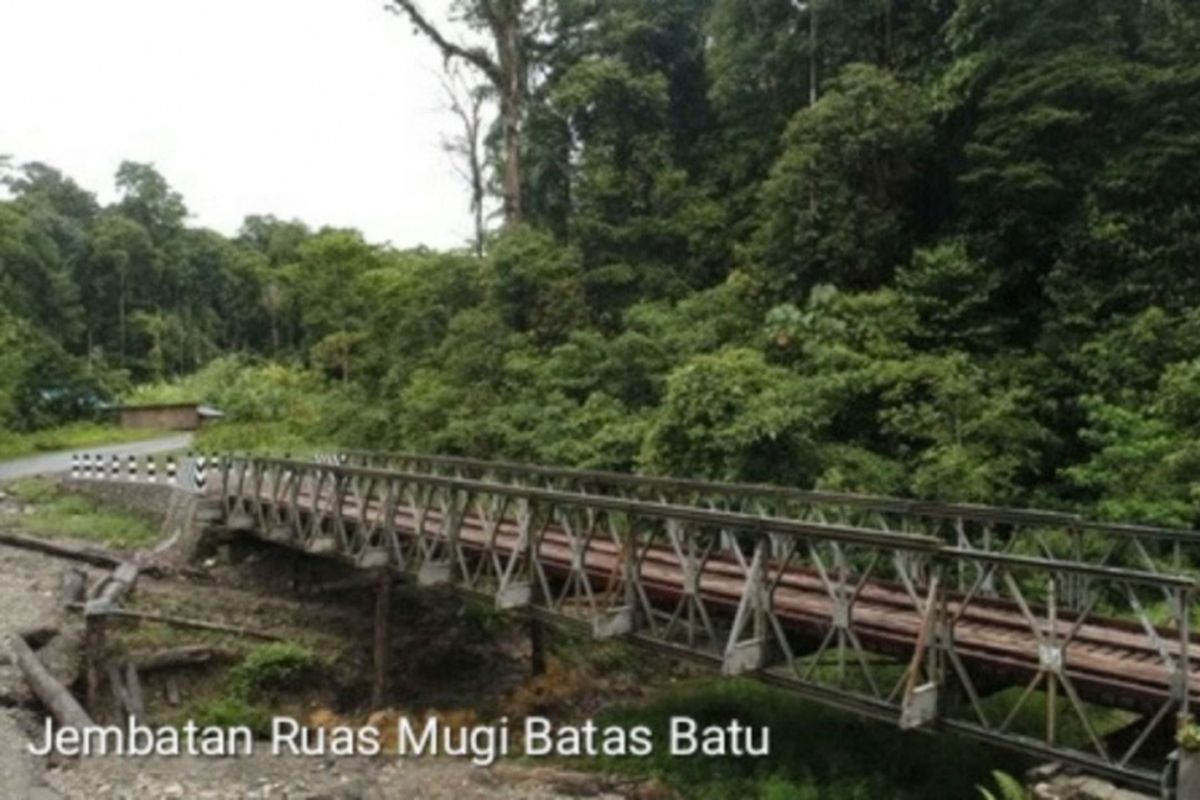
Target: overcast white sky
(326, 110)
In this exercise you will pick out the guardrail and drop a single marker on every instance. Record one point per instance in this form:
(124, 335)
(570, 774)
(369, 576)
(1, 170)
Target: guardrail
(1053, 535)
(191, 471)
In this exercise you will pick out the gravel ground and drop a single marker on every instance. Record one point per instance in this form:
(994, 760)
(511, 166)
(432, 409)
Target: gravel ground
(28, 586)
(263, 777)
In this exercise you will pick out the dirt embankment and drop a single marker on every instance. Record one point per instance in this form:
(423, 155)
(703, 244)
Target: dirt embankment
(448, 658)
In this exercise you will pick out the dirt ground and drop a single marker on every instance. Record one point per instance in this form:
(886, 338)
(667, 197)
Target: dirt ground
(445, 655)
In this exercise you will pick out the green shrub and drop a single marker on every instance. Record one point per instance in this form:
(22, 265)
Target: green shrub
(1009, 787)
(1188, 735)
(815, 751)
(272, 667)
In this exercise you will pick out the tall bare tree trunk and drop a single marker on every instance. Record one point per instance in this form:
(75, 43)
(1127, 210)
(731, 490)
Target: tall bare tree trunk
(507, 31)
(812, 52)
(466, 103)
(507, 72)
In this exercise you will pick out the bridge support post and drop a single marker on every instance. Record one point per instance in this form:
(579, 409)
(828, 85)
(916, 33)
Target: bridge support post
(382, 637)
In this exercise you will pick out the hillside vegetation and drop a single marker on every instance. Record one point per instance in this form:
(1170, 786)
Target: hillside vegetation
(962, 265)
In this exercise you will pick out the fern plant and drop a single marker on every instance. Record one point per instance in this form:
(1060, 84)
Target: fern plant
(1009, 788)
(1188, 735)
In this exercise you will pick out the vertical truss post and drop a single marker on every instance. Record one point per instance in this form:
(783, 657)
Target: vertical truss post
(515, 574)
(1183, 669)
(1052, 661)
(744, 654)
(610, 618)
(1187, 766)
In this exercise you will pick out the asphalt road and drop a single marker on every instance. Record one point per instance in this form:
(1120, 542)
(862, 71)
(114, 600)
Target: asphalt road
(61, 462)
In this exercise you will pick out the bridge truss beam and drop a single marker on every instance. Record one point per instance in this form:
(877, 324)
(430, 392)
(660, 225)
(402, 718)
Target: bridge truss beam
(892, 624)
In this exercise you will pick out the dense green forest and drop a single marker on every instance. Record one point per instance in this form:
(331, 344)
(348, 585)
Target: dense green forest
(943, 249)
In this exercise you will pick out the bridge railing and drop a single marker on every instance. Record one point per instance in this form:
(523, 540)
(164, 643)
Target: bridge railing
(1045, 677)
(901, 626)
(1052, 535)
(190, 471)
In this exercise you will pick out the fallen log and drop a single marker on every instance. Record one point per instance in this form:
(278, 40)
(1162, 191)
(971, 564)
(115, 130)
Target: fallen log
(345, 584)
(116, 585)
(186, 622)
(87, 554)
(62, 656)
(95, 556)
(58, 639)
(54, 696)
(173, 657)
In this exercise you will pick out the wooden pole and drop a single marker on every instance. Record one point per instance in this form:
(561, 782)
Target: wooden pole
(383, 598)
(185, 622)
(133, 690)
(95, 645)
(173, 657)
(537, 647)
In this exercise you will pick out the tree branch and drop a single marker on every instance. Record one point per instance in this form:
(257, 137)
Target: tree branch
(476, 56)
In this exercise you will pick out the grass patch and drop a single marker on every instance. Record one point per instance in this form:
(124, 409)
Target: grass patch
(228, 712)
(815, 752)
(253, 687)
(57, 512)
(578, 650)
(68, 437)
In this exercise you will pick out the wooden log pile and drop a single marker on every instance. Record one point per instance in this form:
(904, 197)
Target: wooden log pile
(56, 651)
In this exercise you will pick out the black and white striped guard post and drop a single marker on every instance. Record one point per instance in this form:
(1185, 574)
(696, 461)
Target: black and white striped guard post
(200, 472)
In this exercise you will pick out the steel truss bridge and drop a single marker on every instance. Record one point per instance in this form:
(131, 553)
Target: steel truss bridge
(1042, 632)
